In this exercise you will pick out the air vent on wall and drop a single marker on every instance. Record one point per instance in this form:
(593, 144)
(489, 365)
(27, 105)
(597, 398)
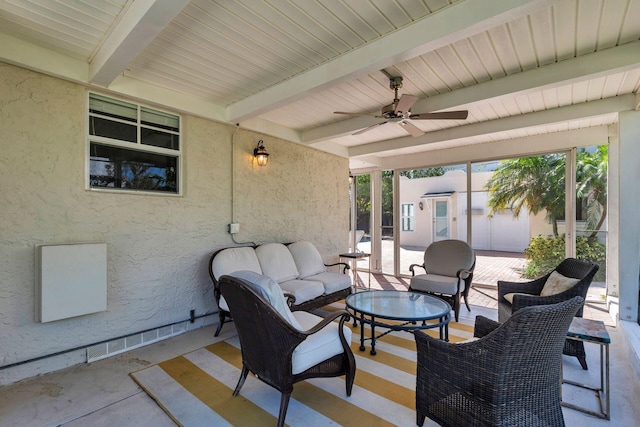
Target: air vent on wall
(120, 345)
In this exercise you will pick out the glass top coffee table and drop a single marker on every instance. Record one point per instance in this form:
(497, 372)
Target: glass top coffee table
(398, 311)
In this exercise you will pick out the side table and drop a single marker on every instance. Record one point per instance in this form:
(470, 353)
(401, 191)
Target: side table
(593, 331)
(354, 257)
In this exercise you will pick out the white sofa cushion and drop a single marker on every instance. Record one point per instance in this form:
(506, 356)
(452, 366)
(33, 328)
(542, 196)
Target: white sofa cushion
(234, 259)
(303, 290)
(268, 289)
(276, 262)
(231, 260)
(332, 282)
(311, 267)
(435, 283)
(307, 259)
(317, 347)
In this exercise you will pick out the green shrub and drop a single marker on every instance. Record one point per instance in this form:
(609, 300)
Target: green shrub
(545, 253)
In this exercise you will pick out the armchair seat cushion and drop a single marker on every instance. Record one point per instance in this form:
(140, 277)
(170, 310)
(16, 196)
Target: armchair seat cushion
(332, 282)
(317, 347)
(303, 290)
(434, 283)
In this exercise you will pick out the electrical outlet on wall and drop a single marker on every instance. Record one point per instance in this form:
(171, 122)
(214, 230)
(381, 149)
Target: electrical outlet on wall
(234, 228)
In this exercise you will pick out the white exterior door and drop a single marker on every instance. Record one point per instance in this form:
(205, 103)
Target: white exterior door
(440, 219)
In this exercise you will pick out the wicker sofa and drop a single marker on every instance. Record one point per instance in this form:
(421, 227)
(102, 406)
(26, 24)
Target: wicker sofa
(297, 267)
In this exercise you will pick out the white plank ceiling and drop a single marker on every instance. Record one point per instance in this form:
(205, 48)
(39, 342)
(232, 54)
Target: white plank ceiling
(282, 67)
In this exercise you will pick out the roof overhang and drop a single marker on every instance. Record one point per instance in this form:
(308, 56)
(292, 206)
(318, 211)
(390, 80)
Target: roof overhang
(435, 195)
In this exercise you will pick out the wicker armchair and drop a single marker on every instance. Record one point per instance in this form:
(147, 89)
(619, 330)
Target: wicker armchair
(569, 267)
(282, 347)
(448, 266)
(510, 376)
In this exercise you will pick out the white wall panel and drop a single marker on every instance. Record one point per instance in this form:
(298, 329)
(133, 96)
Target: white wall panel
(71, 280)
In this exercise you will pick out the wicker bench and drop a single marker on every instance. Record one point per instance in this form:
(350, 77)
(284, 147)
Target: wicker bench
(297, 267)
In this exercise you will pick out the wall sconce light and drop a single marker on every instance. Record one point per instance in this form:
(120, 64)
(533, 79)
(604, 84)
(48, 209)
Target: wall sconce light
(261, 154)
(421, 205)
(351, 178)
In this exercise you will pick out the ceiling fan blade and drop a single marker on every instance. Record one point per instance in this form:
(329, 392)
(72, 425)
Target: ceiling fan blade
(367, 129)
(355, 114)
(405, 103)
(411, 128)
(445, 115)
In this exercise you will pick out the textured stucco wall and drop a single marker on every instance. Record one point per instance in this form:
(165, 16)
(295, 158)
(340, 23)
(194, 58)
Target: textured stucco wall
(301, 193)
(158, 247)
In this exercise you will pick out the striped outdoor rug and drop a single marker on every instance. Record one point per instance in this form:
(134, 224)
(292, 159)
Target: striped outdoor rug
(195, 388)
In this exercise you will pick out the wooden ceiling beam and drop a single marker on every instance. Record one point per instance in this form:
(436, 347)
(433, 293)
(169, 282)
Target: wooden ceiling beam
(140, 24)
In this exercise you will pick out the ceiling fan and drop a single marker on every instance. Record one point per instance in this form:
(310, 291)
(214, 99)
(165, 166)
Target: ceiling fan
(399, 111)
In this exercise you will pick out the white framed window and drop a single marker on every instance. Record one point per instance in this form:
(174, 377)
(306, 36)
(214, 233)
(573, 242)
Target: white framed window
(408, 217)
(132, 148)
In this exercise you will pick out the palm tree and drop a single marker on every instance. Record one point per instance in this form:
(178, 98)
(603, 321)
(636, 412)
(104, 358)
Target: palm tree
(591, 176)
(538, 183)
(532, 183)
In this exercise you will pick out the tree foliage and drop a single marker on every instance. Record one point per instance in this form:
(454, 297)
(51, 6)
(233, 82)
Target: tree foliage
(387, 199)
(537, 184)
(534, 184)
(545, 253)
(424, 173)
(363, 202)
(591, 177)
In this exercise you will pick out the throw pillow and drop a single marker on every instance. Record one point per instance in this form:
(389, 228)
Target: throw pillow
(557, 283)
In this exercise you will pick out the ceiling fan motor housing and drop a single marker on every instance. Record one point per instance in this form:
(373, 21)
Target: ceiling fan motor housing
(389, 111)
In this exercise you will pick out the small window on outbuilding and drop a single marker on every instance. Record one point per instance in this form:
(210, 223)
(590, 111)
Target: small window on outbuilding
(408, 217)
